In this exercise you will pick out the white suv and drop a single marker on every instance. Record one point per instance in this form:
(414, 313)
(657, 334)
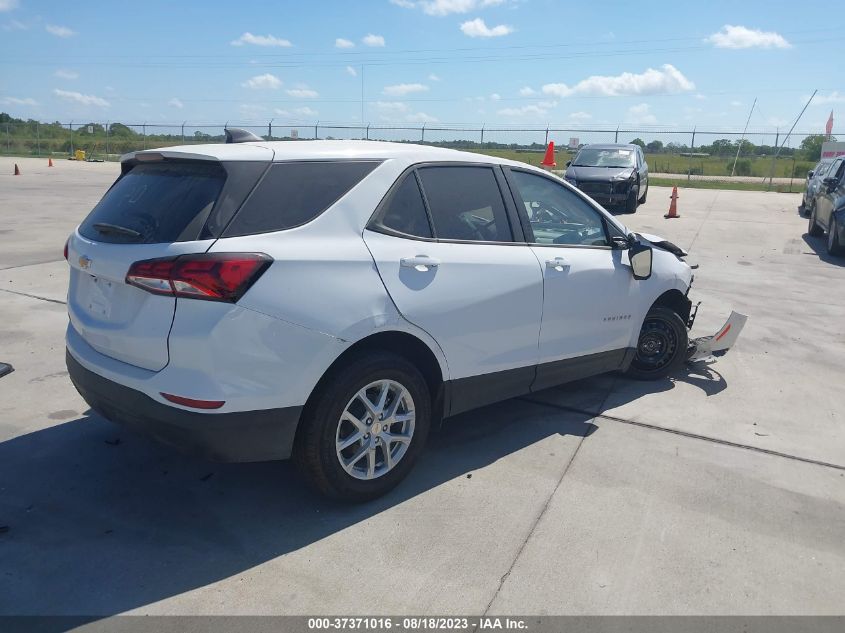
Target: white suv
(331, 300)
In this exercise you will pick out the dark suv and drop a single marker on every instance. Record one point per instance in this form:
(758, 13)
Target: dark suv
(828, 208)
(614, 175)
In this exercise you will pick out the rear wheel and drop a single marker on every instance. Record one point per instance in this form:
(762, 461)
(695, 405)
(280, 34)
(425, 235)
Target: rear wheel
(365, 429)
(662, 346)
(814, 229)
(833, 245)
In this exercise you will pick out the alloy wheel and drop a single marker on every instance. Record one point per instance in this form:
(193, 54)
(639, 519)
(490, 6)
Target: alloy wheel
(375, 429)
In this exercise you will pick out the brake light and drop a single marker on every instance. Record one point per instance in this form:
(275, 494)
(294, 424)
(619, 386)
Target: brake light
(67, 242)
(210, 276)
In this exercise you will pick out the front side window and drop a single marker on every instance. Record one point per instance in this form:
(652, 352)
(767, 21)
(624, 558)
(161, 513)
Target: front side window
(465, 204)
(404, 211)
(291, 194)
(556, 214)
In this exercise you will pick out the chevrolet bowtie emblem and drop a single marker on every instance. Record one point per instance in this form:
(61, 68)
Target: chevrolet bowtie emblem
(85, 262)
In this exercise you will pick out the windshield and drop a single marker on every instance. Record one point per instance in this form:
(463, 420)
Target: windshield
(592, 157)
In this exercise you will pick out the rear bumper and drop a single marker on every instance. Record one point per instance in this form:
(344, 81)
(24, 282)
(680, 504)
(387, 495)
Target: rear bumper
(243, 436)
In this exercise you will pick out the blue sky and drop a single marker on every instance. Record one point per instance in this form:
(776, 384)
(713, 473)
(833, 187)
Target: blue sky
(497, 62)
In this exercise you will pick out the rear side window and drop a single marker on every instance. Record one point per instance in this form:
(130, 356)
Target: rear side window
(405, 210)
(156, 202)
(291, 194)
(466, 204)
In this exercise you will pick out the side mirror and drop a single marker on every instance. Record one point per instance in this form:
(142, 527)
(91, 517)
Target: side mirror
(640, 256)
(568, 163)
(810, 174)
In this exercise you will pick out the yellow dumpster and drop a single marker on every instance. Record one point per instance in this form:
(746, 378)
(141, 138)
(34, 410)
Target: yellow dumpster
(79, 154)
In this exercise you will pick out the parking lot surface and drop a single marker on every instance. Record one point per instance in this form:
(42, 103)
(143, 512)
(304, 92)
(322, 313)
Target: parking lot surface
(718, 491)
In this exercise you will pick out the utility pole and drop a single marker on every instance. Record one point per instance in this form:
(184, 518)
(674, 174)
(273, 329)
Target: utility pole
(744, 130)
(786, 138)
(362, 97)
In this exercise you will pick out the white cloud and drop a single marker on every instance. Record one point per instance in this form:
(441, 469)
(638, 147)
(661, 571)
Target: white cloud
(539, 109)
(15, 25)
(667, 80)
(392, 107)
(261, 40)
(400, 90)
(741, 37)
(421, 117)
(66, 74)
(833, 97)
(527, 91)
(579, 116)
(446, 7)
(478, 28)
(351, 71)
(303, 92)
(26, 101)
(8, 5)
(263, 82)
(305, 111)
(78, 97)
(373, 40)
(495, 96)
(433, 77)
(59, 31)
(343, 43)
(736, 104)
(176, 103)
(641, 115)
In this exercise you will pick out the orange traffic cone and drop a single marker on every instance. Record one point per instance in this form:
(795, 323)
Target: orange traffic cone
(17, 170)
(673, 206)
(549, 158)
(49, 162)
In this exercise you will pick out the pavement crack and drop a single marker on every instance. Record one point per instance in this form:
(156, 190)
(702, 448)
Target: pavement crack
(26, 294)
(49, 261)
(545, 507)
(695, 436)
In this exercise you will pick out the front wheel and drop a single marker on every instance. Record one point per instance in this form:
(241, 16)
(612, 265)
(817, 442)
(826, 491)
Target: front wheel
(662, 345)
(833, 245)
(366, 427)
(644, 196)
(631, 202)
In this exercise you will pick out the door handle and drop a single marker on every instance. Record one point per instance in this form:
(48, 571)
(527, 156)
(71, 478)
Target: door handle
(558, 263)
(421, 263)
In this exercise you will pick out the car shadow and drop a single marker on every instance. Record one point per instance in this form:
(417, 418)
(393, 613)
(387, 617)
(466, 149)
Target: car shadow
(101, 521)
(819, 246)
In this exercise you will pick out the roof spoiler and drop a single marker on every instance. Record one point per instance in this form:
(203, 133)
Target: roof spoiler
(239, 135)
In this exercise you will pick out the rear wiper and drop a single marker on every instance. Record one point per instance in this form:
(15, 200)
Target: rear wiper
(105, 227)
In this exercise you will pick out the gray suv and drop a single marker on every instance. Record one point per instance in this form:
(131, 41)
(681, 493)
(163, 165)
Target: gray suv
(614, 175)
(828, 208)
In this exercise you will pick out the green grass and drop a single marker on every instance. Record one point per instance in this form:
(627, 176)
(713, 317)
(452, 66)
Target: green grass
(682, 182)
(675, 163)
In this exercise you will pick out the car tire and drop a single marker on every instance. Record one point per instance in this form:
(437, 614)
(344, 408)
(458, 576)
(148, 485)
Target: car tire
(813, 228)
(645, 195)
(631, 202)
(327, 425)
(833, 245)
(661, 346)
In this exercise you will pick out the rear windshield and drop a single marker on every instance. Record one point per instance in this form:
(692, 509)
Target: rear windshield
(156, 202)
(294, 193)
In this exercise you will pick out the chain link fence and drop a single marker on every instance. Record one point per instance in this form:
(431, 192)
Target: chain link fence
(710, 154)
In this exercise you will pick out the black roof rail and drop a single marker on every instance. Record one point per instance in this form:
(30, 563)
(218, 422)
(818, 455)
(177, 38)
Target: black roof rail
(239, 135)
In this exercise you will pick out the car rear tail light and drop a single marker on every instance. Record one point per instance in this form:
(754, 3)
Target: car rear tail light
(67, 243)
(209, 276)
(191, 402)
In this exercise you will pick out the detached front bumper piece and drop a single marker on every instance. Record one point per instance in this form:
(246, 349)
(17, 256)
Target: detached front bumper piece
(720, 342)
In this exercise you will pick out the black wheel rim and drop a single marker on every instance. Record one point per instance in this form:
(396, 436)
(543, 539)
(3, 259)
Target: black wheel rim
(657, 345)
